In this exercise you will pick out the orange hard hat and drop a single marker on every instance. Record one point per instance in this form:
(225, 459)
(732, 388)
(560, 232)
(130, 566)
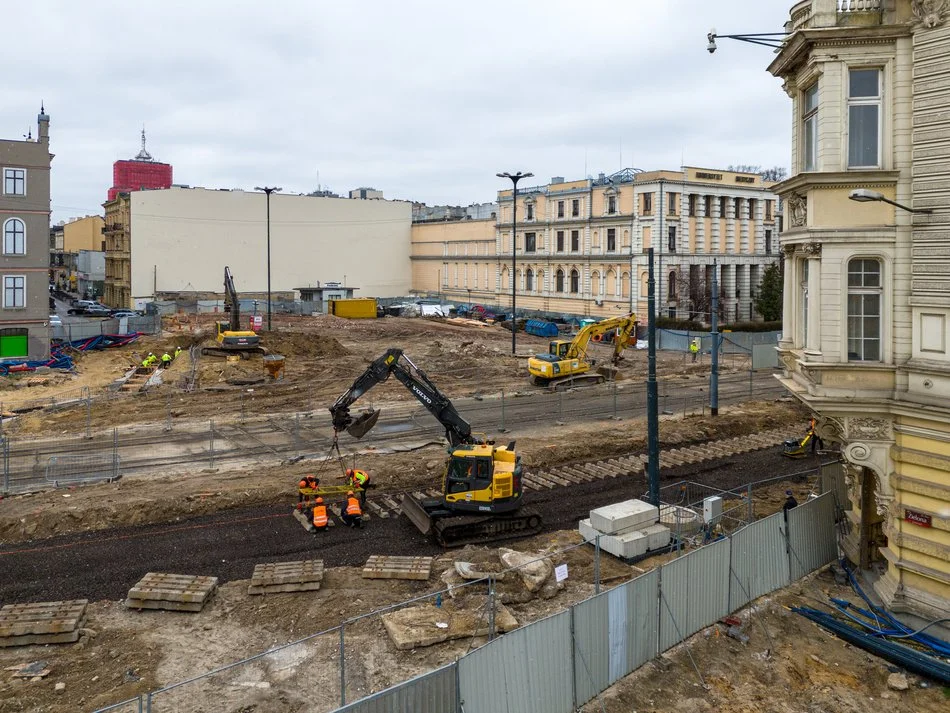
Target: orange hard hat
(303, 483)
(319, 500)
(349, 492)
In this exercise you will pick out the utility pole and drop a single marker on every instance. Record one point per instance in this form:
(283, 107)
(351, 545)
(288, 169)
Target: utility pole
(267, 191)
(714, 374)
(515, 177)
(653, 413)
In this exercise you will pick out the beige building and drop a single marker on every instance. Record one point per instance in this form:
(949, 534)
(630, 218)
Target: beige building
(867, 284)
(580, 245)
(180, 239)
(68, 238)
(24, 228)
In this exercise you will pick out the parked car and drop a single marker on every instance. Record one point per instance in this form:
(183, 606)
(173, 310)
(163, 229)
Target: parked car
(97, 311)
(119, 313)
(55, 321)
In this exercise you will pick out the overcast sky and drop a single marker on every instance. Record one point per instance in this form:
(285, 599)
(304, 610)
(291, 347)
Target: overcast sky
(423, 100)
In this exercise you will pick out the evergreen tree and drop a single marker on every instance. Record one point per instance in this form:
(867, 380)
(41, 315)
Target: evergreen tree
(768, 302)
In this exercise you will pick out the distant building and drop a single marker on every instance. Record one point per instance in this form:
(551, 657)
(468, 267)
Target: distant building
(67, 239)
(366, 193)
(141, 172)
(177, 241)
(24, 226)
(422, 213)
(90, 273)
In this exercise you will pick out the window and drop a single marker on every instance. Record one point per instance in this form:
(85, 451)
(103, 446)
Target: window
(529, 211)
(768, 210)
(560, 241)
(560, 209)
(611, 239)
(611, 204)
(768, 242)
(864, 310)
(530, 242)
(14, 342)
(575, 282)
(671, 285)
(14, 291)
(575, 207)
(864, 118)
(529, 280)
(673, 202)
(559, 281)
(14, 237)
(722, 206)
(14, 181)
(810, 128)
(671, 239)
(692, 205)
(751, 209)
(575, 241)
(671, 313)
(707, 206)
(648, 204)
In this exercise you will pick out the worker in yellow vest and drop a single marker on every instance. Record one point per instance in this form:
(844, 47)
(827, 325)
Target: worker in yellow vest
(320, 518)
(359, 479)
(694, 348)
(350, 511)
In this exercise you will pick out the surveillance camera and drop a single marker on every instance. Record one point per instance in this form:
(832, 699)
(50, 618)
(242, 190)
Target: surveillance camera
(711, 47)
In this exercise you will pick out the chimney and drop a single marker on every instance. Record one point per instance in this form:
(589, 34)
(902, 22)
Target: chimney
(42, 126)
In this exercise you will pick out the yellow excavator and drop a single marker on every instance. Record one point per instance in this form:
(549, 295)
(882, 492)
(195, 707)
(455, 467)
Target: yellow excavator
(229, 337)
(567, 363)
(482, 490)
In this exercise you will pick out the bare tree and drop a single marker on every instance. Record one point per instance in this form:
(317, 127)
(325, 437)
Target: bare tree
(700, 296)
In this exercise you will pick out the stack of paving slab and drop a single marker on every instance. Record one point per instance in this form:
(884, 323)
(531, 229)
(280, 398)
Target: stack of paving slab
(174, 592)
(627, 530)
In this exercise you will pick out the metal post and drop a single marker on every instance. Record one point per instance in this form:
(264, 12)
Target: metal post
(212, 443)
(653, 416)
(615, 400)
(1, 419)
(597, 564)
(296, 435)
(88, 413)
(267, 193)
(115, 449)
(342, 667)
(140, 703)
(148, 702)
(750, 380)
(714, 370)
(573, 662)
(748, 496)
(560, 407)
(491, 608)
(514, 252)
(502, 429)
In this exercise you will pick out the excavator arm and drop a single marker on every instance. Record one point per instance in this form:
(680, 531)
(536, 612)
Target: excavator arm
(625, 326)
(231, 302)
(394, 362)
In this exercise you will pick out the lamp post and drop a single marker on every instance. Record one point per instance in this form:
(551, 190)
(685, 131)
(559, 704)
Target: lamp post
(267, 191)
(515, 177)
(865, 195)
(766, 39)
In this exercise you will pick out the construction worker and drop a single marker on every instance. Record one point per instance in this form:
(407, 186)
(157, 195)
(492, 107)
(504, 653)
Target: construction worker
(149, 360)
(816, 443)
(694, 348)
(301, 496)
(350, 511)
(359, 479)
(177, 352)
(320, 518)
(790, 502)
(166, 360)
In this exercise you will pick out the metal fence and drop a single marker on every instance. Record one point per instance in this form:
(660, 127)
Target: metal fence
(74, 331)
(553, 665)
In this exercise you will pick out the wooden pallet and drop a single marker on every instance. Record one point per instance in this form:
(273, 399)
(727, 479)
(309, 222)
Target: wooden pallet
(42, 623)
(392, 567)
(270, 577)
(174, 592)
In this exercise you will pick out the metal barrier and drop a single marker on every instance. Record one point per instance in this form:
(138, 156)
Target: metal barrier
(83, 469)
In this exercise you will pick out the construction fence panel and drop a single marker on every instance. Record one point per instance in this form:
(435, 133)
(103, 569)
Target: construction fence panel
(694, 592)
(433, 692)
(759, 562)
(811, 536)
(133, 705)
(832, 481)
(591, 647)
(526, 671)
(633, 624)
(83, 469)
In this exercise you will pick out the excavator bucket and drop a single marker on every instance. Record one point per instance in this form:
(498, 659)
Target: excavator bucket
(363, 423)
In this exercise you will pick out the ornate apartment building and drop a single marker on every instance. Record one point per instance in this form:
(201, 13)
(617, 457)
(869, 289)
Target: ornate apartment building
(580, 245)
(867, 273)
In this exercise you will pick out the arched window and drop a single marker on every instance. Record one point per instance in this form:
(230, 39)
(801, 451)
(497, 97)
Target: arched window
(14, 237)
(559, 281)
(575, 281)
(529, 284)
(595, 284)
(625, 285)
(864, 310)
(671, 286)
(610, 289)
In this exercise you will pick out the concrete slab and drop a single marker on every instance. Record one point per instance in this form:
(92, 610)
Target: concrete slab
(628, 514)
(426, 625)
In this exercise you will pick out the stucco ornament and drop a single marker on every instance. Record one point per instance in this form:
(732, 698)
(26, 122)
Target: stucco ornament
(930, 13)
(799, 209)
(869, 429)
(857, 453)
(813, 249)
(830, 430)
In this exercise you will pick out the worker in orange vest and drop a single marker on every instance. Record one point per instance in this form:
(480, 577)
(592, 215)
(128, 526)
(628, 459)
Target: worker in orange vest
(320, 519)
(350, 511)
(307, 483)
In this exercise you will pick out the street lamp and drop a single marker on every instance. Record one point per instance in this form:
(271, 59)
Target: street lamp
(755, 38)
(515, 177)
(267, 192)
(865, 195)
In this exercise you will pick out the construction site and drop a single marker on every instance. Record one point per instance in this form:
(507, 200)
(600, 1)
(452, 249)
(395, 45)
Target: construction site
(154, 529)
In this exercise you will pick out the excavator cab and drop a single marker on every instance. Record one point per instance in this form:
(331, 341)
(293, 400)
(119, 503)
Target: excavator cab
(558, 348)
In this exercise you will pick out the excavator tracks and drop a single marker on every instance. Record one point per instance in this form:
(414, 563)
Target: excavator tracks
(459, 530)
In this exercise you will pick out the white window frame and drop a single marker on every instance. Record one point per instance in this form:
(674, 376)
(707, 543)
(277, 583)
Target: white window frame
(864, 291)
(810, 128)
(875, 101)
(7, 169)
(6, 227)
(7, 278)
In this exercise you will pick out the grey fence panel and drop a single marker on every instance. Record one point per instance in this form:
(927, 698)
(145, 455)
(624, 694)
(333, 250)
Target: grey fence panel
(633, 624)
(591, 647)
(811, 536)
(832, 481)
(764, 356)
(759, 561)
(525, 671)
(433, 692)
(684, 612)
(674, 603)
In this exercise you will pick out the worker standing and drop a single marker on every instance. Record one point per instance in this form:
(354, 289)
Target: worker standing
(302, 497)
(177, 352)
(166, 360)
(350, 511)
(694, 348)
(320, 518)
(359, 479)
(790, 502)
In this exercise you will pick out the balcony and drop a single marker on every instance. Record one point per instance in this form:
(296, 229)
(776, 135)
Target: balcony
(811, 14)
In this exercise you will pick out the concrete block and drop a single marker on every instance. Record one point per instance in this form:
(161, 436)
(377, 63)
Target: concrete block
(657, 536)
(624, 516)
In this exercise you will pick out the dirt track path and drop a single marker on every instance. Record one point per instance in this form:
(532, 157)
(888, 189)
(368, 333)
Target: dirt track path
(105, 564)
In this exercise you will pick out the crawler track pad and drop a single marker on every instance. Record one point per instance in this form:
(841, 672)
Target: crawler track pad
(363, 424)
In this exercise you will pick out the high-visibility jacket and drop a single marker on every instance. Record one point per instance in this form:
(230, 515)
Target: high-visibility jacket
(166, 358)
(320, 516)
(360, 478)
(177, 351)
(353, 506)
(693, 347)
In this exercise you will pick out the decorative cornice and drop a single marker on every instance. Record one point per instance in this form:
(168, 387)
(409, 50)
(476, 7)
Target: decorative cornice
(803, 41)
(805, 181)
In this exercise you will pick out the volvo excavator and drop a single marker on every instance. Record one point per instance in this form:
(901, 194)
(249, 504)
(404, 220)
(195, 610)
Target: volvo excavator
(229, 337)
(481, 498)
(567, 363)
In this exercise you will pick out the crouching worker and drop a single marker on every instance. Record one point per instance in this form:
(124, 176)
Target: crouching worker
(320, 519)
(350, 511)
